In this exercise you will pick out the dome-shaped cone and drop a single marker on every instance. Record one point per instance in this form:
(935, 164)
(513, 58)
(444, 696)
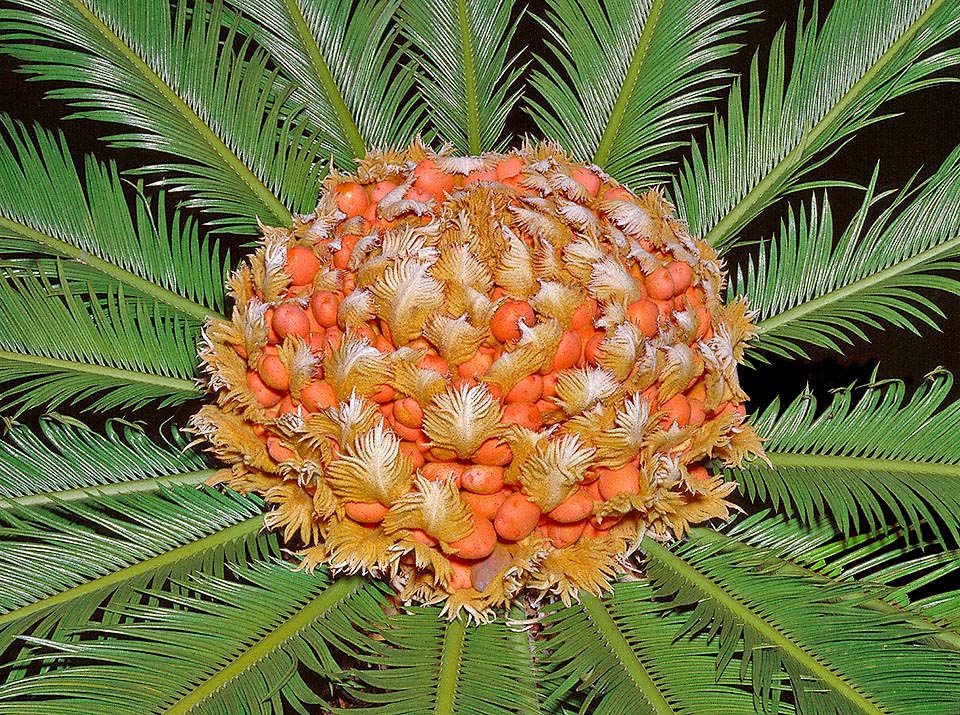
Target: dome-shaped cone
(490, 387)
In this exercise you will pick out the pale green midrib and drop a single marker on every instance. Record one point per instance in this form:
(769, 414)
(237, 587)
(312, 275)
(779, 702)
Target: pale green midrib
(756, 198)
(766, 631)
(943, 636)
(619, 111)
(522, 635)
(122, 275)
(132, 486)
(469, 79)
(866, 283)
(170, 384)
(168, 558)
(307, 614)
(258, 189)
(610, 632)
(450, 661)
(868, 464)
(327, 81)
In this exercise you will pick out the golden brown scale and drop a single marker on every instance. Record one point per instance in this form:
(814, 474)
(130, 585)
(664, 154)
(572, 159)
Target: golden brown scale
(475, 376)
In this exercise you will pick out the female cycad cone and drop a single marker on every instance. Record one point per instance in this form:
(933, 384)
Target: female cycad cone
(475, 376)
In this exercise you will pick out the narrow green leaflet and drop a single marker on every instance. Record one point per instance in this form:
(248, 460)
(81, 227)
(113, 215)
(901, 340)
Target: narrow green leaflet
(864, 53)
(862, 460)
(58, 344)
(426, 664)
(623, 81)
(836, 655)
(466, 75)
(241, 638)
(343, 62)
(64, 457)
(810, 287)
(167, 76)
(56, 212)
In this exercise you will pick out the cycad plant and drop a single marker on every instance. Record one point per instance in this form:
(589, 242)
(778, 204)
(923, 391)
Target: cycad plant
(133, 580)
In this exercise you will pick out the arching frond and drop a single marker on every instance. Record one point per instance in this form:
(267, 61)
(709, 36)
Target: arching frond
(347, 73)
(622, 81)
(893, 572)
(841, 71)
(59, 345)
(108, 548)
(240, 638)
(463, 69)
(804, 631)
(863, 460)
(166, 75)
(56, 212)
(810, 287)
(623, 654)
(66, 460)
(426, 664)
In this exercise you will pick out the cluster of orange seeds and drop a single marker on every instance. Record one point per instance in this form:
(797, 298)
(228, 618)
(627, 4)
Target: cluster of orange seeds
(475, 376)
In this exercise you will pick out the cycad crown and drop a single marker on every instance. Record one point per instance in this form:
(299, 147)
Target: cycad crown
(125, 589)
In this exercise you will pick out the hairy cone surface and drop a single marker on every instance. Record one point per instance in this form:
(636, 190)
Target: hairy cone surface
(475, 376)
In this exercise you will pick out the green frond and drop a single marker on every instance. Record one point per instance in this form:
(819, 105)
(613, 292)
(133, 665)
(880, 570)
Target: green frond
(56, 212)
(623, 81)
(892, 571)
(809, 286)
(624, 658)
(342, 60)
(60, 345)
(803, 630)
(860, 462)
(108, 548)
(427, 664)
(65, 459)
(841, 71)
(167, 76)
(465, 74)
(240, 639)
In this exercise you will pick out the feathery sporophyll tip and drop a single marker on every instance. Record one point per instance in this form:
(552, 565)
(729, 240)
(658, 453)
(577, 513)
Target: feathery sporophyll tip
(477, 377)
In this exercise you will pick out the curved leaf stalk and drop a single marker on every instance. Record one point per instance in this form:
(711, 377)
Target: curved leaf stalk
(629, 83)
(608, 630)
(812, 306)
(322, 70)
(450, 662)
(835, 462)
(173, 385)
(469, 78)
(766, 631)
(760, 195)
(106, 490)
(142, 285)
(338, 591)
(207, 543)
(278, 212)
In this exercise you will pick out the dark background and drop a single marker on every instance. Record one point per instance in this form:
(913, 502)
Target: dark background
(920, 139)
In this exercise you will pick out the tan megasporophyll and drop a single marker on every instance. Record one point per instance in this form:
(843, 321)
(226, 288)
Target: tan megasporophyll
(477, 377)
